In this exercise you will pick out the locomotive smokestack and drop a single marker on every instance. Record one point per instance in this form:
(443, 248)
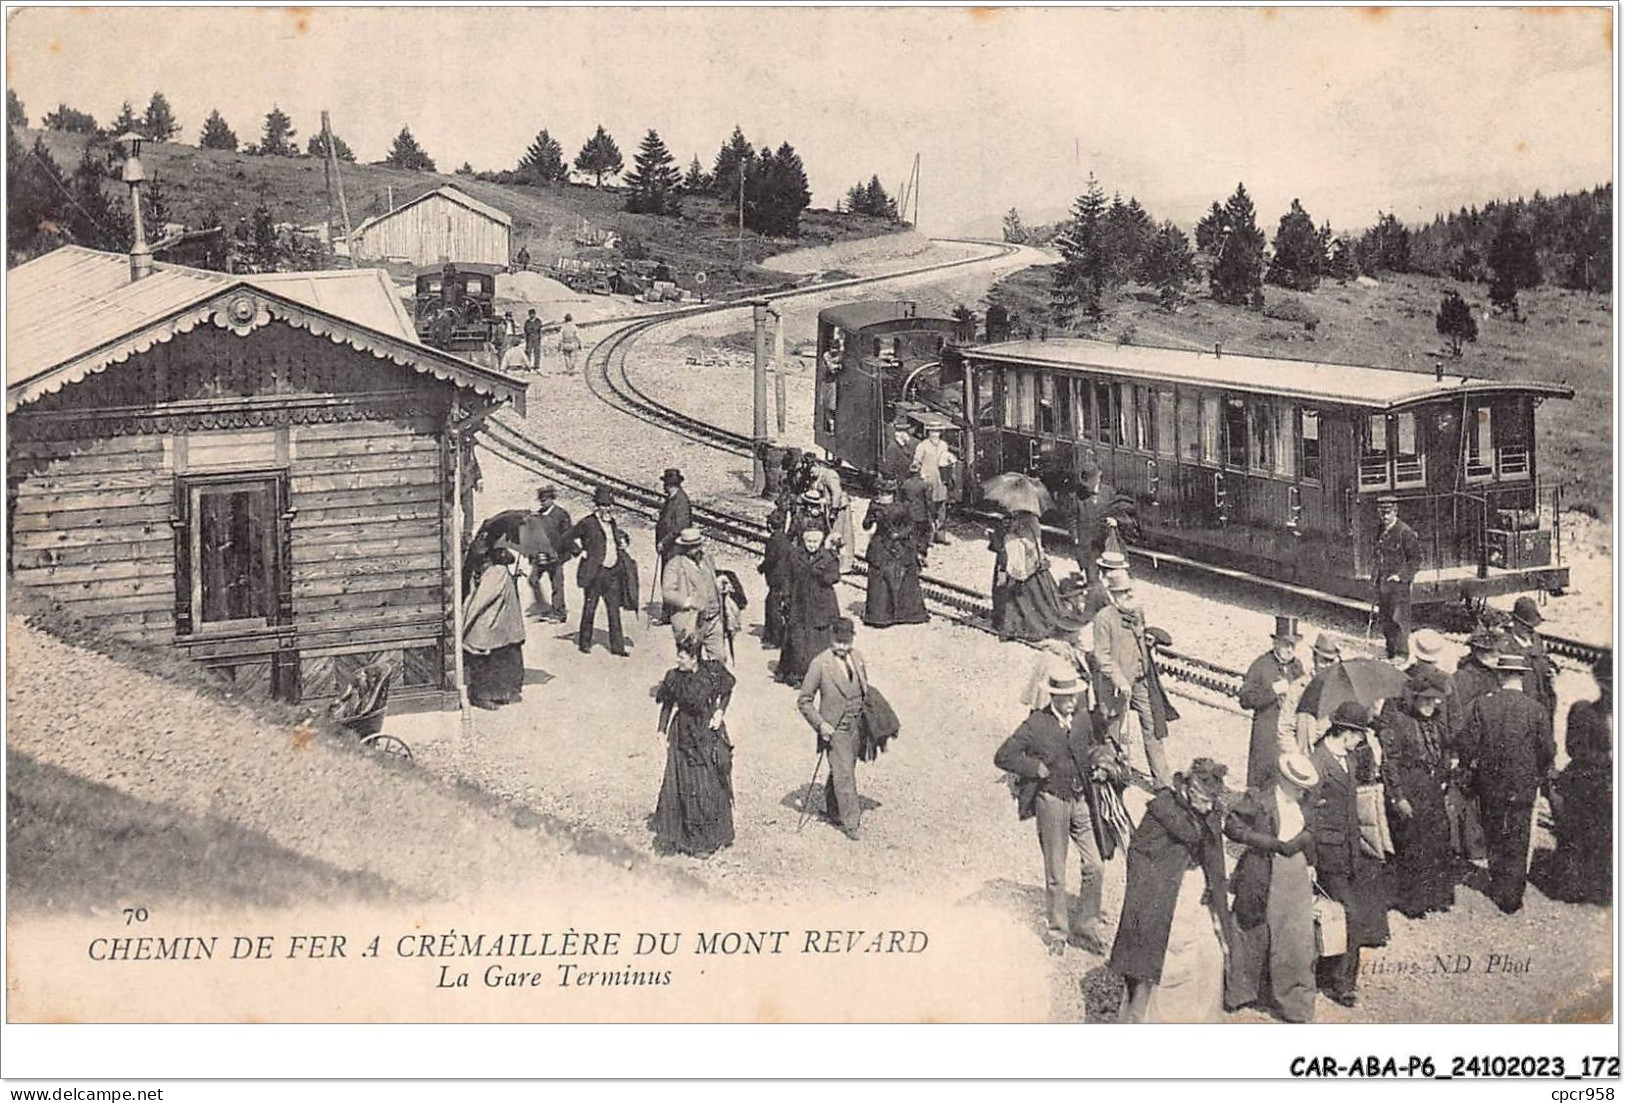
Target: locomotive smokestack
(140, 252)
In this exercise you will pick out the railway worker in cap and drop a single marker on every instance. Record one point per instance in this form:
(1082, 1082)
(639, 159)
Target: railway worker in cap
(1539, 681)
(831, 700)
(1507, 750)
(811, 608)
(1397, 558)
(604, 571)
(1272, 938)
(1089, 525)
(1344, 865)
(688, 586)
(1054, 755)
(1125, 677)
(899, 454)
(1583, 797)
(1264, 691)
(936, 464)
(533, 339)
(1415, 741)
(837, 507)
(548, 526)
(676, 514)
(569, 343)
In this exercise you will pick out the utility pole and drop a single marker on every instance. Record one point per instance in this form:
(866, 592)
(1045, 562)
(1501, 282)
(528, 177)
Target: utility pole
(333, 178)
(758, 473)
(779, 364)
(739, 241)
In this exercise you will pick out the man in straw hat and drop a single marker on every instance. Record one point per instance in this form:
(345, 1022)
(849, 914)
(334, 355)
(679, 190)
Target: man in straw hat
(831, 700)
(1264, 691)
(1272, 948)
(1344, 865)
(1125, 683)
(1395, 561)
(1507, 750)
(688, 587)
(1053, 754)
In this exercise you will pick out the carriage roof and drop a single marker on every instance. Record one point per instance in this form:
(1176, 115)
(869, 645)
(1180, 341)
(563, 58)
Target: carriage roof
(1350, 384)
(855, 316)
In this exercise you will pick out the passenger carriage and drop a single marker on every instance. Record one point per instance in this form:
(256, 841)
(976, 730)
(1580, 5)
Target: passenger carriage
(1273, 467)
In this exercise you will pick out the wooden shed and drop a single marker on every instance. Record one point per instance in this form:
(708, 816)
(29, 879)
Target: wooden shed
(255, 470)
(444, 224)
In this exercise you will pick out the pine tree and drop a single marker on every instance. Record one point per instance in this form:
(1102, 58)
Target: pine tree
(1128, 230)
(1340, 259)
(1080, 279)
(654, 181)
(1455, 321)
(315, 147)
(93, 218)
(1014, 232)
(277, 138)
(1512, 257)
(732, 160)
(697, 180)
(600, 156)
(1237, 274)
(157, 213)
(1167, 264)
(543, 162)
(877, 204)
(159, 123)
(1300, 257)
(1210, 230)
(407, 154)
(126, 121)
(216, 134)
(15, 114)
(37, 210)
(70, 121)
(776, 192)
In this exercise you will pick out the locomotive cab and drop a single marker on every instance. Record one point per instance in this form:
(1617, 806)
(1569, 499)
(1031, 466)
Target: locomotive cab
(456, 306)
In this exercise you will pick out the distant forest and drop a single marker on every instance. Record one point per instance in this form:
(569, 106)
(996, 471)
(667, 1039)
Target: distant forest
(1572, 236)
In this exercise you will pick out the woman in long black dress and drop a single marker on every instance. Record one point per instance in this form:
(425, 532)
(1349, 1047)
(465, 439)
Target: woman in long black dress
(894, 563)
(811, 608)
(1169, 947)
(494, 632)
(694, 814)
(1415, 770)
(1585, 798)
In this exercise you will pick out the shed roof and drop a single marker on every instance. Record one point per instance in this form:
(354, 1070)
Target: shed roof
(448, 192)
(855, 316)
(1350, 384)
(74, 312)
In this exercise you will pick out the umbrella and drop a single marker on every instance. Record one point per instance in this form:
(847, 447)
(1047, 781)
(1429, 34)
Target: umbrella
(517, 528)
(1017, 493)
(1365, 681)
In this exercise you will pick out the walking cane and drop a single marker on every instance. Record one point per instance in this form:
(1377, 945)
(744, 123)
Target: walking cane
(806, 799)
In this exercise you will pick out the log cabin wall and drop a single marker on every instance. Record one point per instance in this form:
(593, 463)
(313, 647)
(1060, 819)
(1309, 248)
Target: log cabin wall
(350, 449)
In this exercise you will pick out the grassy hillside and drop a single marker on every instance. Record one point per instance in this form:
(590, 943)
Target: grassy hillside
(1565, 337)
(200, 184)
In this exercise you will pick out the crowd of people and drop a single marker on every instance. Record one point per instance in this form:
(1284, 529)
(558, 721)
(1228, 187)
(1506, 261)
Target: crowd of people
(1364, 791)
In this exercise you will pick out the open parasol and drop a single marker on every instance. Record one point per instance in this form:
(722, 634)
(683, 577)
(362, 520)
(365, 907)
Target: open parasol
(1017, 493)
(1364, 681)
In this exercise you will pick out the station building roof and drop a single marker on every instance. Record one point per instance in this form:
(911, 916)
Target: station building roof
(1312, 381)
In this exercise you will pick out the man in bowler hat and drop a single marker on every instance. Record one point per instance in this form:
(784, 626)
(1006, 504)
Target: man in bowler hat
(603, 572)
(548, 526)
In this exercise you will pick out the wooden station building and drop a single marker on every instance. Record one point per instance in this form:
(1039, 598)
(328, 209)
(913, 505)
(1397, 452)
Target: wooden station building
(440, 225)
(255, 470)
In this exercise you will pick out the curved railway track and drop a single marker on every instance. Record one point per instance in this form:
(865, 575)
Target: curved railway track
(606, 376)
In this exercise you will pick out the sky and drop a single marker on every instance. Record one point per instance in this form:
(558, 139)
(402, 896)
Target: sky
(1413, 110)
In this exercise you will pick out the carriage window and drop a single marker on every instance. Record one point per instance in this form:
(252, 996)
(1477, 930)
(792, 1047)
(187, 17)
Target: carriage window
(1080, 408)
(1020, 398)
(1261, 455)
(1142, 419)
(1103, 412)
(1190, 427)
(233, 552)
(1235, 434)
(1125, 436)
(1210, 428)
(1374, 473)
(1046, 404)
(1063, 406)
(1480, 445)
(1410, 465)
(1163, 422)
(1310, 460)
(1286, 455)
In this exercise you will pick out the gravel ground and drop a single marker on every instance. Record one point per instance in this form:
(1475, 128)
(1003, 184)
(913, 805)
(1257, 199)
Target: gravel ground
(386, 826)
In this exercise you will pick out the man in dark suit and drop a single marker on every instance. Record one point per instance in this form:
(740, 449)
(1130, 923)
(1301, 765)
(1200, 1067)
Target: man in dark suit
(545, 533)
(1089, 527)
(675, 515)
(1539, 681)
(603, 571)
(1507, 750)
(1053, 754)
(831, 700)
(1397, 559)
(899, 455)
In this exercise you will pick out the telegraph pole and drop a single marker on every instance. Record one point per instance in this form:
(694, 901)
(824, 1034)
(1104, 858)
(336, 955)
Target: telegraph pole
(739, 241)
(333, 179)
(758, 473)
